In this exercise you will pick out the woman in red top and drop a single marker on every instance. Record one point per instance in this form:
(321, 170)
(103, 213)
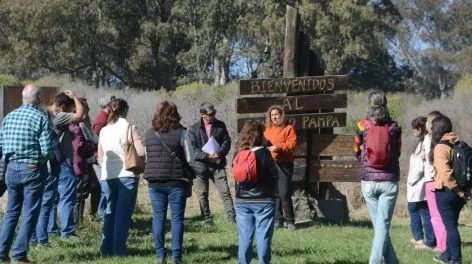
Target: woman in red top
(282, 140)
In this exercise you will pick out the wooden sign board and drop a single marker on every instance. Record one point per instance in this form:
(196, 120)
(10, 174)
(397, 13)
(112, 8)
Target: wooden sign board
(332, 145)
(12, 98)
(305, 85)
(308, 121)
(291, 103)
(336, 171)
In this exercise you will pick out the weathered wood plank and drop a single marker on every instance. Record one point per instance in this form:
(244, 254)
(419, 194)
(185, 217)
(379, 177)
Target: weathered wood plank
(291, 42)
(308, 121)
(306, 85)
(12, 97)
(332, 145)
(336, 171)
(291, 103)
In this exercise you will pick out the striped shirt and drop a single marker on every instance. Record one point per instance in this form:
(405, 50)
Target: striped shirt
(25, 135)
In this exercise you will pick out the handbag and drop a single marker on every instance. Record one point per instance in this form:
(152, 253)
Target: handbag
(133, 162)
(187, 168)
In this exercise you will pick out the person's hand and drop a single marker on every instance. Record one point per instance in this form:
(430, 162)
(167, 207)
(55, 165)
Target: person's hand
(213, 157)
(70, 94)
(273, 148)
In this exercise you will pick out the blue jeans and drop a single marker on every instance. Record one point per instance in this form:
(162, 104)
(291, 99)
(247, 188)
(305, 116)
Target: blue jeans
(67, 189)
(46, 212)
(255, 218)
(419, 210)
(102, 205)
(380, 198)
(161, 197)
(121, 199)
(25, 189)
(450, 206)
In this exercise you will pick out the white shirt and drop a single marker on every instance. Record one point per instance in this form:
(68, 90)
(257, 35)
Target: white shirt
(416, 176)
(428, 167)
(112, 141)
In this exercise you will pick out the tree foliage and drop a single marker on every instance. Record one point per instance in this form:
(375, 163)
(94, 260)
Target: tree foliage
(420, 45)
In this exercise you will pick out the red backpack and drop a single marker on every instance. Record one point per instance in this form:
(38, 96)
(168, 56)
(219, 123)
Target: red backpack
(245, 167)
(377, 145)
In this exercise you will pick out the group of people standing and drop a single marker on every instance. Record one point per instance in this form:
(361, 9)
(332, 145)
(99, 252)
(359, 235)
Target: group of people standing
(49, 156)
(434, 197)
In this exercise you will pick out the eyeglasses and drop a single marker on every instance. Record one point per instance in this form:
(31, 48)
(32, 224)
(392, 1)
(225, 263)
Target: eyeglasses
(211, 114)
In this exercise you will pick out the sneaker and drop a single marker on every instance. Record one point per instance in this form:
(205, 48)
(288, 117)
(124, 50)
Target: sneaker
(278, 224)
(440, 259)
(42, 246)
(209, 223)
(423, 246)
(291, 227)
(177, 261)
(24, 260)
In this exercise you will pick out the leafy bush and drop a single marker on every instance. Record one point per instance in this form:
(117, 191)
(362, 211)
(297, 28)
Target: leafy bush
(464, 85)
(8, 80)
(193, 88)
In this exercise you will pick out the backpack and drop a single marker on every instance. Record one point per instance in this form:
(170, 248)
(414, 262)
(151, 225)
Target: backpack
(461, 163)
(245, 167)
(377, 145)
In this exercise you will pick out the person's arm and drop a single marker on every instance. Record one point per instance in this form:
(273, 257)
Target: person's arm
(399, 141)
(45, 140)
(442, 155)
(79, 114)
(359, 139)
(290, 141)
(416, 166)
(225, 143)
(138, 143)
(198, 153)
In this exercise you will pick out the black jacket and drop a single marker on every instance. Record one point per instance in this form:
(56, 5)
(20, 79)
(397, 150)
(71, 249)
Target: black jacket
(267, 175)
(160, 165)
(198, 138)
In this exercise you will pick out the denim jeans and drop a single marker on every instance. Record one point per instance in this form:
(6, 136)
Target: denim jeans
(175, 198)
(219, 178)
(102, 205)
(25, 190)
(67, 189)
(121, 201)
(41, 235)
(380, 198)
(419, 211)
(450, 205)
(255, 218)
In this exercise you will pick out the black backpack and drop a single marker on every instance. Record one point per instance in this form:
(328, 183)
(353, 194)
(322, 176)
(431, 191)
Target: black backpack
(461, 163)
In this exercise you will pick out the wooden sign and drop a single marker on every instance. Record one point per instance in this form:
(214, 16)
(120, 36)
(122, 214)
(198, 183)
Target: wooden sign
(291, 103)
(12, 98)
(306, 85)
(336, 171)
(308, 121)
(332, 145)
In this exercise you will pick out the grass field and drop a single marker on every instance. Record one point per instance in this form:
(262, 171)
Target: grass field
(316, 243)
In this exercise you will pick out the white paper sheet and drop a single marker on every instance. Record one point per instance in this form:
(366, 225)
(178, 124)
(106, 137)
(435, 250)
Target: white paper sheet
(211, 146)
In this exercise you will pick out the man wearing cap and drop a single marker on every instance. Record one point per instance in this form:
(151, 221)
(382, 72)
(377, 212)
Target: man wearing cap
(25, 142)
(211, 165)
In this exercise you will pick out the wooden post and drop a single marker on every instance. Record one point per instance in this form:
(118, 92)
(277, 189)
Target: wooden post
(291, 42)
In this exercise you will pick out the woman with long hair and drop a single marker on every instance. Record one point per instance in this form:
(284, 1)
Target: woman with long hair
(282, 140)
(450, 198)
(255, 200)
(169, 177)
(415, 191)
(436, 220)
(119, 185)
(377, 146)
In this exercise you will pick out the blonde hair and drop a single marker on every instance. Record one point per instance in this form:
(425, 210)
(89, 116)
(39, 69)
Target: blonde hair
(280, 109)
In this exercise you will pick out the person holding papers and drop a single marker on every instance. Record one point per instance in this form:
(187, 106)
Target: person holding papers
(211, 143)
(282, 139)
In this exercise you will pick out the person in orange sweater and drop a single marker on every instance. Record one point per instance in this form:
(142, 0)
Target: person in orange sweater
(450, 198)
(281, 139)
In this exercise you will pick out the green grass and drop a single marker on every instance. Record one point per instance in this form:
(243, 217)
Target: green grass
(349, 244)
